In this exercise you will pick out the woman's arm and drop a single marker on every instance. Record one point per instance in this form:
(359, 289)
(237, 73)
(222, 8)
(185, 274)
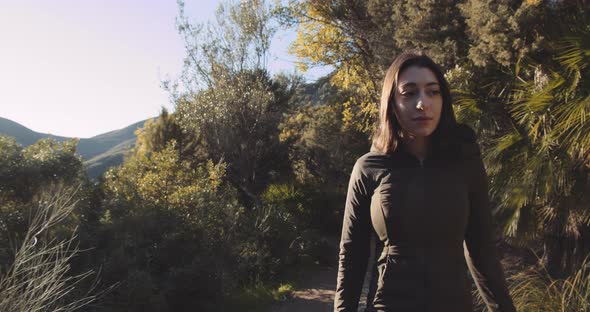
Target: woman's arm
(480, 251)
(355, 240)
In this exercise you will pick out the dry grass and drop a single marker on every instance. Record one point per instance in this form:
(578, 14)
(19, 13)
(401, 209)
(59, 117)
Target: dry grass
(38, 278)
(536, 291)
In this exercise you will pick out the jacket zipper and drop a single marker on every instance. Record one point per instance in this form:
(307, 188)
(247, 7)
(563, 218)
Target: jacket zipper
(423, 184)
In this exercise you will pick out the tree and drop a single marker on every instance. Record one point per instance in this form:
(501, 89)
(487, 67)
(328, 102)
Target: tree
(340, 34)
(230, 100)
(361, 38)
(537, 142)
(533, 161)
(166, 222)
(25, 170)
(322, 151)
(24, 173)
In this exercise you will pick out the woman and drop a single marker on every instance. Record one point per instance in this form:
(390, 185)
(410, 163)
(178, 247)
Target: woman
(423, 189)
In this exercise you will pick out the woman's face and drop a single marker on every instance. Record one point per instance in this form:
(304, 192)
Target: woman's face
(418, 101)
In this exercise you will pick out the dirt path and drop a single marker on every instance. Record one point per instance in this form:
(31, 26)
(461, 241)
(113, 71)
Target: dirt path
(316, 290)
(316, 293)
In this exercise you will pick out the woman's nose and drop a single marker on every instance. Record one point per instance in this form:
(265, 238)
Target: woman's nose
(420, 104)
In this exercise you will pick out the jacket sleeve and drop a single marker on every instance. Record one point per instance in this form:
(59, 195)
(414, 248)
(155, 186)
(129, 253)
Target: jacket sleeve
(355, 240)
(480, 251)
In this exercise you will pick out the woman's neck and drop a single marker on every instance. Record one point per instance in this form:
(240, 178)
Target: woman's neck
(417, 146)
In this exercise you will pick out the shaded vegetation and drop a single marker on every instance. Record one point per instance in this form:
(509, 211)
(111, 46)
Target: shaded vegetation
(99, 152)
(218, 201)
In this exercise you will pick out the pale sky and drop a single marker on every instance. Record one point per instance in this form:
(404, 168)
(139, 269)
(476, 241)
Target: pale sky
(79, 68)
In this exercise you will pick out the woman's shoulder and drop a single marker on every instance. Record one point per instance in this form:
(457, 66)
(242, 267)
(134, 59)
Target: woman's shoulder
(372, 159)
(372, 163)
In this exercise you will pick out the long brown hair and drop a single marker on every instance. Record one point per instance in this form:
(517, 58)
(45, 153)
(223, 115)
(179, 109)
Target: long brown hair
(387, 135)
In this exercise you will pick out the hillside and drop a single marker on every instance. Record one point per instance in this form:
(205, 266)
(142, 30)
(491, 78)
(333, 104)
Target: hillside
(98, 164)
(99, 152)
(24, 136)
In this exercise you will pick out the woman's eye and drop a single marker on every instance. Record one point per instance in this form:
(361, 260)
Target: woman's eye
(407, 94)
(434, 92)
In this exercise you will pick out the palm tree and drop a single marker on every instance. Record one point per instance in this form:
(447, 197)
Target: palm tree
(537, 147)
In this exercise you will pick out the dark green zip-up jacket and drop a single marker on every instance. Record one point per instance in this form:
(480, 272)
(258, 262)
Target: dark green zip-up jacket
(434, 220)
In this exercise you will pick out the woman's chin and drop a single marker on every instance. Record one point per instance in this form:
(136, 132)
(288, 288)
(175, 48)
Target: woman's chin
(420, 132)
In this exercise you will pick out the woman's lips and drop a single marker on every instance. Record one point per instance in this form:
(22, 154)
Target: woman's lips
(422, 119)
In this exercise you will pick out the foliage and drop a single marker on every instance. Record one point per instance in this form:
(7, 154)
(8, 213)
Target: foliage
(169, 218)
(190, 203)
(361, 38)
(245, 108)
(39, 279)
(24, 170)
(501, 31)
(24, 173)
(322, 151)
(537, 291)
(336, 33)
(432, 26)
(166, 223)
(227, 99)
(237, 41)
(532, 121)
(260, 297)
(517, 69)
(246, 178)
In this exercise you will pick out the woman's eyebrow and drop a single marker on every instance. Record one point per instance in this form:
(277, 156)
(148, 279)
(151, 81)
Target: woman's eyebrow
(407, 84)
(413, 84)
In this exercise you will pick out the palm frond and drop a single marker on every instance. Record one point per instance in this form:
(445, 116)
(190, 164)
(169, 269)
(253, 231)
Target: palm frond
(529, 101)
(573, 125)
(574, 51)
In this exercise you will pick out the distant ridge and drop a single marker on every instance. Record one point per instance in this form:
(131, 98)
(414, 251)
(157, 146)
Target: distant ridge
(99, 152)
(96, 145)
(23, 135)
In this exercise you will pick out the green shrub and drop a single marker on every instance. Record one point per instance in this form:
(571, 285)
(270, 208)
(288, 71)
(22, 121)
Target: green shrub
(536, 291)
(284, 292)
(39, 277)
(260, 297)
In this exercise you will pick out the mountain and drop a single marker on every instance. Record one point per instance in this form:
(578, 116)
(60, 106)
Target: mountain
(99, 152)
(97, 145)
(24, 136)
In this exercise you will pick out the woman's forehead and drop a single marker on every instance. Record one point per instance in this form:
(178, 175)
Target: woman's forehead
(416, 76)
